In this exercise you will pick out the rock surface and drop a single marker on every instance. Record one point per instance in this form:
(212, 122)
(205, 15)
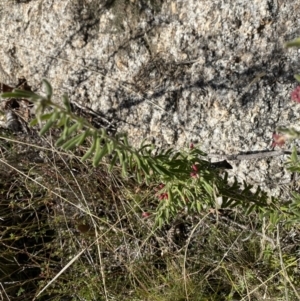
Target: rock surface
(175, 72)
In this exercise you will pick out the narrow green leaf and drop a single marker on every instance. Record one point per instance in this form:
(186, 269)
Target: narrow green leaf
(297, 77)
(72, 128)
(161, 170)
(124, 169)
(111, 145)
(160, 222)
(90, 151)
(144, 147)
(7, 95)
(83, 136)
(170, 195)
(62, 119)
(167, 214)
(66, 103)
(250, 209)
(293, 43)
(208, 188)
(66, 127)
(131, 162)
(11, 95)
(294, 155)
(54, 116)
(137, 159)
(46, 127)
(147, 152)
(198, 206)
(179, 170)
(125, 139)
(70, 143)
(35, 98)
(98, 145)
(31, 95)
(119, 136)
(17, 93)
(80, 122)
(44, 117)
(138, 175)
(33, 122)
(198, 152)
(144, 167)
(48, 89)
(100, 152)
(22, 93)
(59, 142)
(156, 167)
(179, 191)
(121, 155)
(113, 162)
(168, 152)
(102, 133)
(178, 156)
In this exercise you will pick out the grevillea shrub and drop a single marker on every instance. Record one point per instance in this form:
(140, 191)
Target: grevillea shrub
(182, 181)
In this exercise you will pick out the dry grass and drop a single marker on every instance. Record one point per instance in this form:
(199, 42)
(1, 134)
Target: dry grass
(72, 232)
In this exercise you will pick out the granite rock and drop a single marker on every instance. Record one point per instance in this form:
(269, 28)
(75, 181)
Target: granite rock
(209, 72)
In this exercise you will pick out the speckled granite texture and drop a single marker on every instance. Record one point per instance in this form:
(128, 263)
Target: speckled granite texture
(213, 72)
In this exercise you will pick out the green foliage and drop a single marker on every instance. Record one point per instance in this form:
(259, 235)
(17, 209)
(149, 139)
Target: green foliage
(188, 182)
(292, 208)
(293, 162)
(222, 257)
(293, 43)
(289, 133)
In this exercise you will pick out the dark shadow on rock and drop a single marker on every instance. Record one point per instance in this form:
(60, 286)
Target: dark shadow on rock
(276, 69)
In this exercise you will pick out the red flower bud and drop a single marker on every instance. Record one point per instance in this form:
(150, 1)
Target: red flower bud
(278, 139)
(163, 196)
(194, 167)
(146, 214)
(160, 187)
(295, 95)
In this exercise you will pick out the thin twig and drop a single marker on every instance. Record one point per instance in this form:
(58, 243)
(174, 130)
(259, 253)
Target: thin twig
(252, 155)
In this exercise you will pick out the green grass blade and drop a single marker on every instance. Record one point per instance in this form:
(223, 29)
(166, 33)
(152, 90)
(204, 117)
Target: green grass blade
(48, 89)
(100, 152)
(90, 151)
(46, 127)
